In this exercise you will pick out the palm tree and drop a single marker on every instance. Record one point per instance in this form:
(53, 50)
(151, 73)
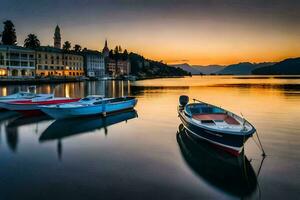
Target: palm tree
(67, 46)
(32, 41)
(8, 35)
(77, 48)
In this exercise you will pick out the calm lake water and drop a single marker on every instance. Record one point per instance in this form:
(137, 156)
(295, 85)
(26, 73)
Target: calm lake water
(143, 155)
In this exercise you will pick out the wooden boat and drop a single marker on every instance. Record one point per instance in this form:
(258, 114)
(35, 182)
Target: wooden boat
(214, 124)
(232, 175)
(22, 96)
(89, 106)
(32, 107)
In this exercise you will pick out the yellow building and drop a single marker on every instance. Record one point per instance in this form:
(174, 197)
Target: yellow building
(52, 61)
(73, 64)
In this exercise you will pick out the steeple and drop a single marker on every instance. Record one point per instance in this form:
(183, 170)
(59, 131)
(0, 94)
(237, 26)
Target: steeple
(57, 38)
(105, 50)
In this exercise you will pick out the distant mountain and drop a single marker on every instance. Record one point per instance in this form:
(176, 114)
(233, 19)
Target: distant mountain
(188, 68)
(286, 67)
(209, 69)
(244, 68)
(198, 69)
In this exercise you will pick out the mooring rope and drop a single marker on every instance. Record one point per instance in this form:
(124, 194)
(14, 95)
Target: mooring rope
(261, 147)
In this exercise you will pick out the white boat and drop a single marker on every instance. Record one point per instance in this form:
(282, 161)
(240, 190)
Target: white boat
(22, 96)
(32, 106)
(91, 105)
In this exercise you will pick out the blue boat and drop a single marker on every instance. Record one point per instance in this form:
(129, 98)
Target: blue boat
(215, 125)
(91, 105)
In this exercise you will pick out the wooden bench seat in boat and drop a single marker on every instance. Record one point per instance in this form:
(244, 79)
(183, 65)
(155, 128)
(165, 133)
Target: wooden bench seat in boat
(219, 116)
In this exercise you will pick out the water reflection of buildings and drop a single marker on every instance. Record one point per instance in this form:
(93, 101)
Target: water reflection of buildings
(76, 89)
(232, 175)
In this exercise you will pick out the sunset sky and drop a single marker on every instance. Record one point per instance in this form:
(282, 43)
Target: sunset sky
(197, 32)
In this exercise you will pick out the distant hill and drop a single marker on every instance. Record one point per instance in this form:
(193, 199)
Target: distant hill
(244, 68)
(286, 67)
(198, 69)
(188, 68)
(146, 68)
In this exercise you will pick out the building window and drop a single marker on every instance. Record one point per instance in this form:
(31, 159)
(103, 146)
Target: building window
(14, 56)
(46, 56)
(39, 56)
(31, 56)
(31, 64)
(24, 56)
(15, 63)
(46, 67)
(24, 64)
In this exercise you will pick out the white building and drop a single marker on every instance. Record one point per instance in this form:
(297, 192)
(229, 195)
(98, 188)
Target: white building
(16, 61)
(94, 64)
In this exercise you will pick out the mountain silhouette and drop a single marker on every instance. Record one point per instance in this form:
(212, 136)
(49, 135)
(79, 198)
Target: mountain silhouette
(289, 66)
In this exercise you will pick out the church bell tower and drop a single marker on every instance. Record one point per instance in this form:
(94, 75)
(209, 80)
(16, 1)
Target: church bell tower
(57, 38)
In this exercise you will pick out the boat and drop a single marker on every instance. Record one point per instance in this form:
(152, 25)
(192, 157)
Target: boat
(89, 105)
(233, 175)
(215, 125)
(32, 107)
(64, 128)
(22, 96)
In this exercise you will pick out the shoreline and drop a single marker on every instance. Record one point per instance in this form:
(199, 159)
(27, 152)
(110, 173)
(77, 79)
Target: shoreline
(37, 81)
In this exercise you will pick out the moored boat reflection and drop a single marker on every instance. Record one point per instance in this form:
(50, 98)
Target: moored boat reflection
(63, 128)
(232, 175)
(27, 120)
(73, 126)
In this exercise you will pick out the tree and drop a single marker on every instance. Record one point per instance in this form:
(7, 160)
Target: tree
(67, 46)
(125, 55)
(111, 54)
(119, 49)
(32, 41)
(9, 36)
(77, 48)
(116, 51)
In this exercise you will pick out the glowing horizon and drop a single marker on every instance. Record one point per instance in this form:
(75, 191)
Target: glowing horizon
(195, 32)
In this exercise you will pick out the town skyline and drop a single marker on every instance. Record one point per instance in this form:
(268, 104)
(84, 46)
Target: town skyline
(269, 33)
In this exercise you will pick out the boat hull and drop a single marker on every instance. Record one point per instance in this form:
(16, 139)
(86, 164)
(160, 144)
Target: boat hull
(89, 110)
(33, 108)
(232, 143)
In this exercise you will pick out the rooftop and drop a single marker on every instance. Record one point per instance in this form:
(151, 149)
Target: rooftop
(14, 47)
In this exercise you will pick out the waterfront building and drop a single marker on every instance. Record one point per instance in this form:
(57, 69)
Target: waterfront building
(119, 67)
(57, 38)
(16, 61)
(94, 65)
(56, 62)
(73, 63)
